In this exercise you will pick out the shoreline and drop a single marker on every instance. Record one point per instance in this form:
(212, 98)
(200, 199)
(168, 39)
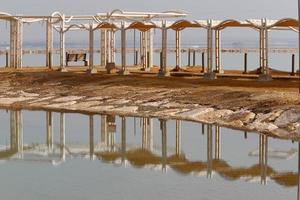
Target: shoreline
(271, 108)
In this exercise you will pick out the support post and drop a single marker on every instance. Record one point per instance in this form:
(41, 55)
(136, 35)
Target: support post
(264, 72)
(92, 69)
(163, 70)
(218, 51)
(189, 57)
(12, 43)
(163, 127)
(293, 65)
(62, 45)
(123, 71)
(209, 75)
(194, 58)
(150, 49)
(178, 50)
(203, 62)
(49, 43)
(103, 36)
(245, 63)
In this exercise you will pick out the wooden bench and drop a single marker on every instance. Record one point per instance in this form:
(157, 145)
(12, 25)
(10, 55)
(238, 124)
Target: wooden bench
(75, 57)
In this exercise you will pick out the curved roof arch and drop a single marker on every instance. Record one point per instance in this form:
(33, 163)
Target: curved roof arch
(182, 24)
(286, 22)
(106, 25)
(142, 26)
(233, 23)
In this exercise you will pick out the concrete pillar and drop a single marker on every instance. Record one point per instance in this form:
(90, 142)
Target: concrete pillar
(91, 130)
(178, 137)
(218, 51)
(112, 46)
(144, 50)
(178, 49)
(12, 53)
(92, 69)
(62, 137)
(49, 126)
(150, 49)
(49, 43)
(163, 69)
(123, 71)
(264, 49)
(62, 56)
(209, 74)
(19, 43)
(108, 46)
(103, 45)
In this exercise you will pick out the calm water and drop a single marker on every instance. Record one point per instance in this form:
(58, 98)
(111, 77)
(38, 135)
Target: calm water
(106, 157)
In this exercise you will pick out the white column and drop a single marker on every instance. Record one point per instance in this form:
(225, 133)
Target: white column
(144, 50)
(150, 48)
(49, 43)
(178, 50)
(92, 69)
(19, 42)
(209, 74)
(218, 51)
(12, 43)
(163, 68)
(264, 48)
(108, 48)
(103, 47)
(62, 45)
(123, 50)
(112, 46)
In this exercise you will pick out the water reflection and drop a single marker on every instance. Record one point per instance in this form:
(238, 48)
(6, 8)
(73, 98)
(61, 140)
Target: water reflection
(146, 154)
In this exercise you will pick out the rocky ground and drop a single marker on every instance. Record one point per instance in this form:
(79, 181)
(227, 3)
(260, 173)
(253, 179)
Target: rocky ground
(268, 107)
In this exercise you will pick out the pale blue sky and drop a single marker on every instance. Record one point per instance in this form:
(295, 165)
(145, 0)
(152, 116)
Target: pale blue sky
(197, 9)
(201, 9)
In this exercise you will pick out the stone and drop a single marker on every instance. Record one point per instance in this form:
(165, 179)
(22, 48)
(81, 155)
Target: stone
(287, 117)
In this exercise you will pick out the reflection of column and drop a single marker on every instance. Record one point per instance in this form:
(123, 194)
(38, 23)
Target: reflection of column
(144, 133)
(123, 138)
(62, 137)
(91, 137)
(163, 128)
(217, 142)
(178, 137)
(263, 157)
(16, 131)
(103, 137)
(298, 189)
(203, 128)
(49, 122)
(209, 150)
(150, 134)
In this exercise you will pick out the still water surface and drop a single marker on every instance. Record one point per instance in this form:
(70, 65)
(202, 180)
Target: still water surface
(74, 156)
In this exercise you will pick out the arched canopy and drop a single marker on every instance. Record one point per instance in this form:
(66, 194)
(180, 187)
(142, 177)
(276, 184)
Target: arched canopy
(232, 23)
(142, 26)
(182, 24)
(106, 25)
(287, 22)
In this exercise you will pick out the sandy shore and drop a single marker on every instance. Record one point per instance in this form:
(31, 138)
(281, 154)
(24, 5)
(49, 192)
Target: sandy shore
(268, 107)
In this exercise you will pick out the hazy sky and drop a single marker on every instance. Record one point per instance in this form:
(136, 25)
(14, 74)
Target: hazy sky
(201, 9)
(197, 9)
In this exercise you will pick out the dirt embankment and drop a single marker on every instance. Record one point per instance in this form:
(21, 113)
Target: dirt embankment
(268, 107)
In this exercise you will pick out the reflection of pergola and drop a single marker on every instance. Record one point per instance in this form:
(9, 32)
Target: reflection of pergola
(117, 20)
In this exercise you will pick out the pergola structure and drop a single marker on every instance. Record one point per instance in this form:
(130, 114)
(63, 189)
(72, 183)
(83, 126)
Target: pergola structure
(145, 22)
